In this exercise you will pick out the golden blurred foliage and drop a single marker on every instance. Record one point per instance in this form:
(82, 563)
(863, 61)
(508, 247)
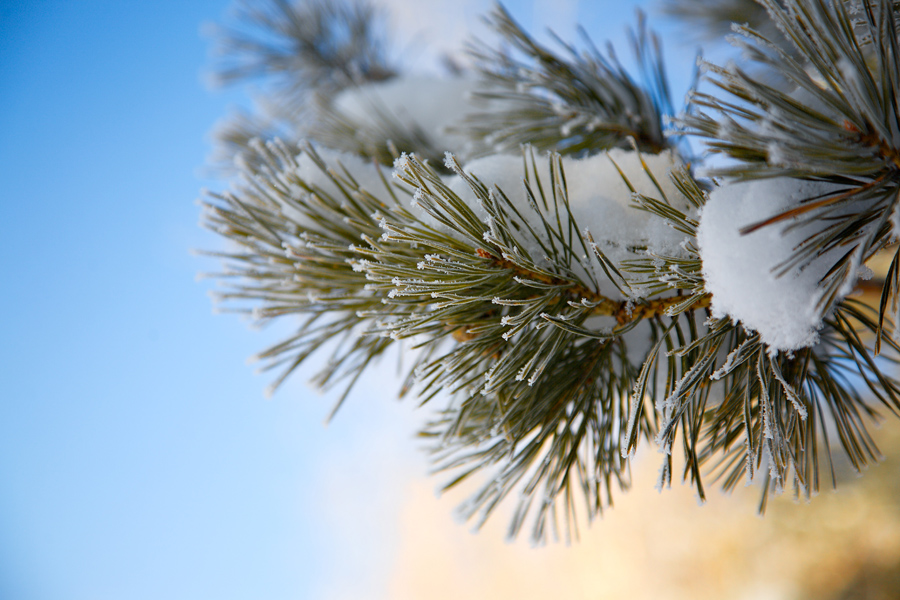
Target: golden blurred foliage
(843, 545)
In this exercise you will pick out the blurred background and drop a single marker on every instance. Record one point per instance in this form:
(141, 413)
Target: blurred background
(138, 456)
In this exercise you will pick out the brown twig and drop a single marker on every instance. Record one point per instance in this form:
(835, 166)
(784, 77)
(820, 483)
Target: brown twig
(623, 310)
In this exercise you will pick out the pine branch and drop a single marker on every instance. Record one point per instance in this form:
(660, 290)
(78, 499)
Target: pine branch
(838, 119)
(528, 323)
(301, 51)
(303, 46)
(838, 124)
(578, 104)
(560, 310)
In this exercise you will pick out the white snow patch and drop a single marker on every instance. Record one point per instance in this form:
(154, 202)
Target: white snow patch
(431, 103)
(738, 269)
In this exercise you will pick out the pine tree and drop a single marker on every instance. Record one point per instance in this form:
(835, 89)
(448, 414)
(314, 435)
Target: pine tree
(566, 276)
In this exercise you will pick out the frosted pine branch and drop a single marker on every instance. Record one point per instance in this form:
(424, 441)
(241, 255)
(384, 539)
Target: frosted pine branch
(566, 308)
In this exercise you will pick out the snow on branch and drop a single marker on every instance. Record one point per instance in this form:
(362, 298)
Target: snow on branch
(562, 308)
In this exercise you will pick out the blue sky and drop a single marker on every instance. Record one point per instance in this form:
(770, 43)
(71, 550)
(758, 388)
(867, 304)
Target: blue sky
(138, 458)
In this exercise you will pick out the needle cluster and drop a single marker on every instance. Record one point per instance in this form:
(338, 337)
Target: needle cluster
(564, 281)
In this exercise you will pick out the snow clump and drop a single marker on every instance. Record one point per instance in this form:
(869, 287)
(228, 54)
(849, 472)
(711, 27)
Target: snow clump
(599, 200)
(742, 271)
(434, 105)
